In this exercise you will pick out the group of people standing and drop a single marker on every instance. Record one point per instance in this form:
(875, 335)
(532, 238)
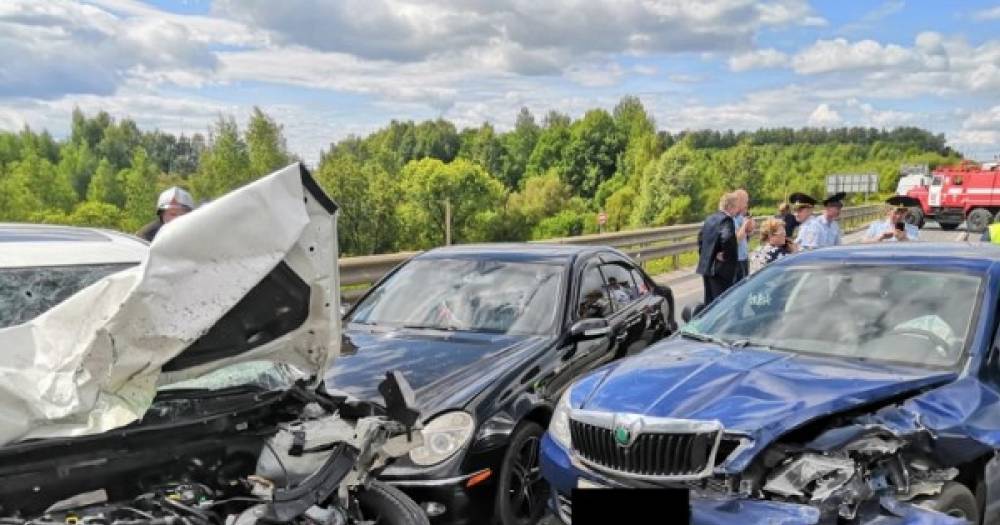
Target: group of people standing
(724, 256)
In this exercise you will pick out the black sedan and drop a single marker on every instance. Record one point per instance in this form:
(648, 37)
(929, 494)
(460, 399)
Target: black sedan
(489, 336)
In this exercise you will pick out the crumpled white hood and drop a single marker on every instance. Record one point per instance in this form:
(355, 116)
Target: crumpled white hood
(93, 362)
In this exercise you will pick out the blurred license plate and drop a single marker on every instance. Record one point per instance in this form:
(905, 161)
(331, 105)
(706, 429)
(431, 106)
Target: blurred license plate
(582, 483)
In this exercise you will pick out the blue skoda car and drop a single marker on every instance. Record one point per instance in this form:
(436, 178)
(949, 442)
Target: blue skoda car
(846, 385)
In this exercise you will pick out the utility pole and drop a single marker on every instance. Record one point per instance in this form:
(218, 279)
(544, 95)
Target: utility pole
(447, 222)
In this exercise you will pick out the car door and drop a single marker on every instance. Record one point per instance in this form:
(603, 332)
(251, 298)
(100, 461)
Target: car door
(590, 300)
(633, 306)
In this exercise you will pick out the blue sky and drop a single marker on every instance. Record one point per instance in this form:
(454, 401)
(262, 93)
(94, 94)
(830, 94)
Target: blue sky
(328, 69)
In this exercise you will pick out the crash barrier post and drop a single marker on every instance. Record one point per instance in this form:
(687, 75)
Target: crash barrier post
(644, 245)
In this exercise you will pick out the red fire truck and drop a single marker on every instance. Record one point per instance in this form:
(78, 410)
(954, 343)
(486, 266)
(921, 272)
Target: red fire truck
(966, 192)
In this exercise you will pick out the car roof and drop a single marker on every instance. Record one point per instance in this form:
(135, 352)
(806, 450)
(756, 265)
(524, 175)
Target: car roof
(32, 245)
(515, 250)
(975, 256)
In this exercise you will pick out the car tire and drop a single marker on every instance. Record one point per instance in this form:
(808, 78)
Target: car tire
(915, 217)
(948, 226)
(386, 505)
(978, 220)
(522, 494)
(955, 500)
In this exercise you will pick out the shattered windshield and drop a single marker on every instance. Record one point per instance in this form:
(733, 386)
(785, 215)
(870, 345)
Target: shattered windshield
(266, 375)
(891, 314)
(467, 294)
(26, 293)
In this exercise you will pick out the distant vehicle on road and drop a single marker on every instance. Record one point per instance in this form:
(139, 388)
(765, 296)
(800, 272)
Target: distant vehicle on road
(849, 385)
(489, 336)
(913, 176)
(967, 193)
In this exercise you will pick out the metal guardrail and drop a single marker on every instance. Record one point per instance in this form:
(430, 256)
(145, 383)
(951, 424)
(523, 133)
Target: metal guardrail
(642, 245)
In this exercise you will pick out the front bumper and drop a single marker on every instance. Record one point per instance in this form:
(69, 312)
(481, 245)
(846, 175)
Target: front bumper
(447, 486)
(559, 470)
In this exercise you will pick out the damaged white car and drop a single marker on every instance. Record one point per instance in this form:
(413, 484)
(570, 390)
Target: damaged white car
(181, 382)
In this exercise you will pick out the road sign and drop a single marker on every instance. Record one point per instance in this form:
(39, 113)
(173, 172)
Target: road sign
(852, 183)
(602, 218)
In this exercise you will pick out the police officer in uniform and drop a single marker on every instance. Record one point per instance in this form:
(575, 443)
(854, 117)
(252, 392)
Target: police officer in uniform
(802, 209)
(172, 203)
(823, 231)
(893, 228)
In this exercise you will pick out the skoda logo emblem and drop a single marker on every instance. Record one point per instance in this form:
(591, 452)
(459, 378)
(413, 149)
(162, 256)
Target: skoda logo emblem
(622, 436)
(626, 429)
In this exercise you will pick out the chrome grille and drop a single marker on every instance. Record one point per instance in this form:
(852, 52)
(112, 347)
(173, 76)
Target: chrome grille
(565, 508)
(652, 454)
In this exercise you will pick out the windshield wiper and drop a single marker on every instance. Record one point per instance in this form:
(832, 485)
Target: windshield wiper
(705, 338)
(427, 327)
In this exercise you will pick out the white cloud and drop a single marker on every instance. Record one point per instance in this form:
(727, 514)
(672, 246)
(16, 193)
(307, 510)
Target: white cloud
(992, 13)
(49, 49)
(839, 54)
(412, 30)
(824, 116)
(759, 59)
(596, 75)
(982, 128)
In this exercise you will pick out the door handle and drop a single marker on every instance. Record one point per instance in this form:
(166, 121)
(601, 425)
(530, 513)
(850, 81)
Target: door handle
(621, 337)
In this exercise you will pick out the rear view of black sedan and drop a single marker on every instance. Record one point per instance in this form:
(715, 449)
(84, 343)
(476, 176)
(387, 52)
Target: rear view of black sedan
(489, 336)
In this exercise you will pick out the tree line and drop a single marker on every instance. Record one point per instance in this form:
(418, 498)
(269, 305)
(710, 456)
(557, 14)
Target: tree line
(538, 180)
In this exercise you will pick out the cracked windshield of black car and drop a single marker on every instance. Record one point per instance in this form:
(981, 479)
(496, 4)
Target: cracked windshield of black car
(467, 295)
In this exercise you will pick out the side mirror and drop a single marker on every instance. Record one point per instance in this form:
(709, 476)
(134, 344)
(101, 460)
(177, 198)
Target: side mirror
(589, 329)
(689, 312)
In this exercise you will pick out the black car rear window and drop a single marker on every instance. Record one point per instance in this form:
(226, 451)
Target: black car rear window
(26, 293)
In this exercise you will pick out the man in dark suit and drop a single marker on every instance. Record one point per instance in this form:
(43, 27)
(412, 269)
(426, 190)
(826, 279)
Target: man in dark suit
(718, 250)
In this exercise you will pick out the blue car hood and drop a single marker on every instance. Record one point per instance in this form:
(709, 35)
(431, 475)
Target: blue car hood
(445, 369)
(762, 394)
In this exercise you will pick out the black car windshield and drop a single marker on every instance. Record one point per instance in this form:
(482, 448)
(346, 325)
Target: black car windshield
(908, 316)
(26, 293)
(475, 295)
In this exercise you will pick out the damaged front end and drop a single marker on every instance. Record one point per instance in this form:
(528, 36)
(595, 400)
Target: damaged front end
(856, 473)
(234, 457)
(860, 480)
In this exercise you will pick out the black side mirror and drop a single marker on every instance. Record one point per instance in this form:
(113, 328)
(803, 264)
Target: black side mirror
(591, 328)
(689, 312)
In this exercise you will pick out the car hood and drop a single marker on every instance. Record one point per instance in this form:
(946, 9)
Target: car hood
(760, 394)
(445, 369)
(251, 276)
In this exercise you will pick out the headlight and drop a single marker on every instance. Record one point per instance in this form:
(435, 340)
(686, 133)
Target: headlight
(443, 437)
(559, 426)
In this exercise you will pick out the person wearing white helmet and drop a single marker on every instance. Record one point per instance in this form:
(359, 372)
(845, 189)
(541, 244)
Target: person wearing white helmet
(172, 203)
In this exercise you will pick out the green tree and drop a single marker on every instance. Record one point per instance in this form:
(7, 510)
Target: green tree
(77, 165)
(225, 164)
(106, 186)
(518, 145)
(265, 144)
(118, 142)
(140, 191)
(426, 185)
(97, 215)
(52, 190)
(368, 196)
(541, 197)
(593, 152)
(483, 147)
(17, 202)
